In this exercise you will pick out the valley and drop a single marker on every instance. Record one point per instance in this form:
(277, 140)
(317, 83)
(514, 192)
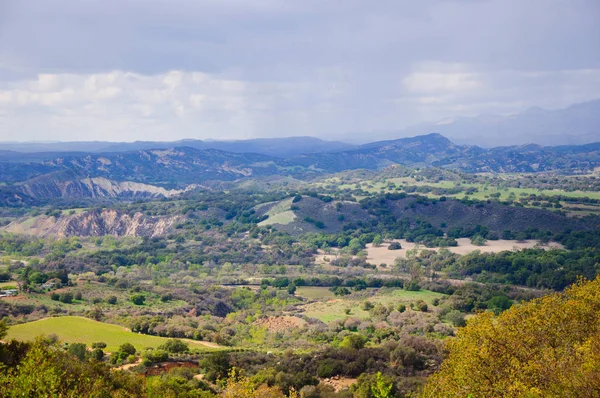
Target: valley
(324, 274)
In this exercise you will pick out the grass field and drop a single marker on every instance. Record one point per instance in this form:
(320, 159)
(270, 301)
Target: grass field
(314, 292)
(74, 329)
(334, 309)
(483, 191)
(280, 214)
(9, 283)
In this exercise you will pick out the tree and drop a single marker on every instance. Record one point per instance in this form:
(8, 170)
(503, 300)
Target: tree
(371, 385)
(353, 341)
(377, 241)
(291, 289)
(457, 318)
(548, 347)
(478, 240)
(138, 299)
(394, 246)
(66, 297)
(216, 366)
(127, 349)
(341, 291)
(78, 349)
(499, 304)
(174, 346)
(3, 328)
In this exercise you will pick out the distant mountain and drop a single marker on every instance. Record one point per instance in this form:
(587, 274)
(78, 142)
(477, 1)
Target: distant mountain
(164, 172)
(281, 147)
(575, 125)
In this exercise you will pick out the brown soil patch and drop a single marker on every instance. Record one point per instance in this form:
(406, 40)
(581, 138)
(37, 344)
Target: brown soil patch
(338, 383)
(129, 365)
(280, 323)
(381, 254)
(166, 366)
(13, 298)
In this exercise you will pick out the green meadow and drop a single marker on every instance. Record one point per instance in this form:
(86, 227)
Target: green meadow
(74, 329)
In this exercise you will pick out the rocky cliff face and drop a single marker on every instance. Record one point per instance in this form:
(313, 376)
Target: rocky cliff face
(92, 188)
(96, 223)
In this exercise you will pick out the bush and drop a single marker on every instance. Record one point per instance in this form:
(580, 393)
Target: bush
(394, 246)
(98, 354)
(138, 299)
(341, 291)
(154, 356)
(78, 349)
(127, 348)
(353, 341)
(66, 297)
(174, 346)
(166, 297)
(457, 318)
(112, 300)
(55, 296)
(330, 367)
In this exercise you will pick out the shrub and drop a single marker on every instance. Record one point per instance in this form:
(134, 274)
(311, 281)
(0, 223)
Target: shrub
(66, 297)
(78, 349)
(353, 341)
(174, 346)
(457, 318)
(138, 299)
(394, 246)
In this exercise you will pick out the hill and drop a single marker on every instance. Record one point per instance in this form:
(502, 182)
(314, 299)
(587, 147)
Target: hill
(74, 329)
(549, 347)
(160, 172)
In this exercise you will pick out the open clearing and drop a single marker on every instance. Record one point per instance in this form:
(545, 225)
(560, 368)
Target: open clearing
(281, 213)
(280, 323)
(314, 292)
(332, 310)
(74, 329)
(381, 255)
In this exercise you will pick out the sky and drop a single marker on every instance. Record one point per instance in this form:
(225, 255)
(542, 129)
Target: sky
(126, 70)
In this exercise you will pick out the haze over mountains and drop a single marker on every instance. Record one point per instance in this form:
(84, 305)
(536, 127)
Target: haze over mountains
(578, 124)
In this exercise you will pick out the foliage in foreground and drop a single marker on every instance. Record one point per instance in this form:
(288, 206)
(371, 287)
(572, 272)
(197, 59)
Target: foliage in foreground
(549, 347)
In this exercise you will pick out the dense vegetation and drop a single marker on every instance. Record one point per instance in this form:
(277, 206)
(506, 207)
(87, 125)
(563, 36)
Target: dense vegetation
(351, 285)
(549, 347)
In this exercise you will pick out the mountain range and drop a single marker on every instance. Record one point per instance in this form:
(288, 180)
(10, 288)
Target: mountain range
(32, 177)
(578, 124)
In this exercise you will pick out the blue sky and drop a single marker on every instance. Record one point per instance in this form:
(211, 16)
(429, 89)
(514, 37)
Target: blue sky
(162, 70)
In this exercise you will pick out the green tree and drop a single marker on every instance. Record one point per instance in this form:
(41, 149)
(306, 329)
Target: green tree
(174, 346)
(66, 297)
(138, 299)
(353, 341)
(548, 347)
(78, 349)
(382, 387)
(3, 328)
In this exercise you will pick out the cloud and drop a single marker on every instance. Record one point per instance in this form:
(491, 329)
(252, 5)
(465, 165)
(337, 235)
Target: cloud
(157, 69)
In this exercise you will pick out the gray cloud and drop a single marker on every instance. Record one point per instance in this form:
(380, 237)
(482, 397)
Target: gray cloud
(130, 69)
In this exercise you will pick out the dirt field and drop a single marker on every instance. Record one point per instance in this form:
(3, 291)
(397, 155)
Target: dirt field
(379, 255)
(339, 383)
(280, 323)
